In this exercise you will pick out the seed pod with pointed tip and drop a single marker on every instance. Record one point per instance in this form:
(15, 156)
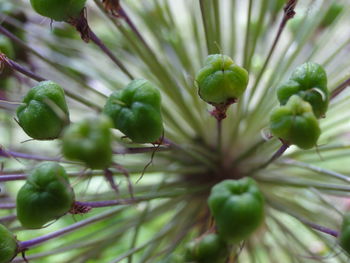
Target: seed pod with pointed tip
(59, 10)
(44, 112)
(221, 80)
(308, 81)
(295, 123)
(46, 196)
(89, 141)
(237, 207)
(208, 249)
(135, 111)
(8, 245)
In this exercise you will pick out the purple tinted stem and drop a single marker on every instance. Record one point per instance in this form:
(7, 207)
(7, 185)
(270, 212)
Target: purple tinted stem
(10, 154)
(39, 240)
(12, 177)
(322, 229)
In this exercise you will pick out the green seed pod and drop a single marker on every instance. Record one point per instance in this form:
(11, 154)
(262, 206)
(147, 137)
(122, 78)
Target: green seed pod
(44, 112)
(221, 81)
(59, 10)
(237, 207)
(209, 249)
(6, 47)
(89, 141)
(295, 123)
(344, 237)
(135, 111)
(332, 14)
(309, 81)
(46, 196)
(8, 245)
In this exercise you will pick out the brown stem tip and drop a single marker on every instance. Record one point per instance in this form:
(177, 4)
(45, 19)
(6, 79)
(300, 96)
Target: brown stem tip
(82, 26)
(112, 7)
(220, 109)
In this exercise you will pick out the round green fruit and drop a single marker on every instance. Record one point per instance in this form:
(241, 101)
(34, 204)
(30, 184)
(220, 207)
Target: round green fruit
(208, 249)
(46, 196)
(135, 111)
(44, 112)
(89, 141)
(59, 10)
(309, 82)
(221, 81)
(8, 245)
(295, 123)
(237, 207)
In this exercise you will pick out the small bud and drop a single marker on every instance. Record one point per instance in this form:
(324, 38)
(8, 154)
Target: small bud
(221, 81)
(208, 249)
(44, 112)
(295, 123)
(237, 207)
(135, 111)
(46, 196)
(89, 141)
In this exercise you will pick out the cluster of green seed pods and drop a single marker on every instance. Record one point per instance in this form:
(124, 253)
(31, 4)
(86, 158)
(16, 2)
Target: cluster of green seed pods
(309, 82)
(304, 98)
(134, 110)
(43, 115)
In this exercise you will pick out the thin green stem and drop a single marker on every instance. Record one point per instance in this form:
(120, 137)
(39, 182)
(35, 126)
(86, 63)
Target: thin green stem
(316, 169)
(233, 25)
(207, 25)
(257, 33)
(217, 22)
(300, 183)
(247, 34)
